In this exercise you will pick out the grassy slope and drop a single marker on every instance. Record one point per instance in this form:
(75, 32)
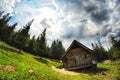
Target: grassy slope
(41, 68)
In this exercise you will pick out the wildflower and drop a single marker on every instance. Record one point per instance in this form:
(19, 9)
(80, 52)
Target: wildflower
(31, 71)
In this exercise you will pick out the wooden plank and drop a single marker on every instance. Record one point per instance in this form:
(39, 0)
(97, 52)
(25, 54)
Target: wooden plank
(73, 68)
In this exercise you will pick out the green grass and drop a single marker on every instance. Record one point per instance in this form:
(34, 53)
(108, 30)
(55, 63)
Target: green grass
(41, 68)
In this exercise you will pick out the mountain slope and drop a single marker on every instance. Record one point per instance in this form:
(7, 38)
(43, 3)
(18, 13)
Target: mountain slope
(23, 66)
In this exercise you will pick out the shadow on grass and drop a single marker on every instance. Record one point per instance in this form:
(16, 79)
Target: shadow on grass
(42, 60)
(118, 78)
(91, 71)
(10, 49)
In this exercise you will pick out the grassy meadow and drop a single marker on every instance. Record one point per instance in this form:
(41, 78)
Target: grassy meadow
(23, 66)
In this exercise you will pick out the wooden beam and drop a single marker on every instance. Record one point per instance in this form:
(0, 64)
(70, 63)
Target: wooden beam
(80, 67)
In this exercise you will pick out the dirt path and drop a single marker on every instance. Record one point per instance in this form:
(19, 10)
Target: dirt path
(64, 71)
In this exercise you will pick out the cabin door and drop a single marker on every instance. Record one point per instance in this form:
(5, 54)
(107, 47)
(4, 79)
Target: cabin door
(77, 60)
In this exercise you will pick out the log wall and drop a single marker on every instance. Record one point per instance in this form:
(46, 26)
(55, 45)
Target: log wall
(77, 58)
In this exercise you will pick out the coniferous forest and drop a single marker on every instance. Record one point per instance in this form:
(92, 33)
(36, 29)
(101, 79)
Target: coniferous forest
(38, 45)
(31, 58)
(59, 39)
(21, 39)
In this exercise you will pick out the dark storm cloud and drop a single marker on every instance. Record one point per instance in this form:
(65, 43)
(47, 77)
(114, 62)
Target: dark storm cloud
(90, 8)
(97, 9)
(100, 16)
(87, 18)
(118, 35)
(77, 33)
(68, 35)
(84, 20)
(105, 31)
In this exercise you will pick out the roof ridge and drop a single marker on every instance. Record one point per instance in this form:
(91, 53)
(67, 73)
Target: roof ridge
(80, 44)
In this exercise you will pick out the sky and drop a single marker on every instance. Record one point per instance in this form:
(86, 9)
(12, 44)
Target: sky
(86, 21)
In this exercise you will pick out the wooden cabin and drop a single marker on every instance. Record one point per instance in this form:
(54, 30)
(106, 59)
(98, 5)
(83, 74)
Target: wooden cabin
(77, 56)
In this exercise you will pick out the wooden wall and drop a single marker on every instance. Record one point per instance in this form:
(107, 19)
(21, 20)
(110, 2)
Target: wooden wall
(77, 57)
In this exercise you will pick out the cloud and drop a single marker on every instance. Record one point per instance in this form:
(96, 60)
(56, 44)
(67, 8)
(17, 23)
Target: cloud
(8, 5)
(82, 31)
(118, 35)
(101, 18)
(67, 19)
(45, 23)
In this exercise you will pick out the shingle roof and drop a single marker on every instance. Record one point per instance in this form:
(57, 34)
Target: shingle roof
(73, 45)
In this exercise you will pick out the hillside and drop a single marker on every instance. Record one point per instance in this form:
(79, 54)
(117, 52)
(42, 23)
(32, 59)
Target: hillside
(23, 66)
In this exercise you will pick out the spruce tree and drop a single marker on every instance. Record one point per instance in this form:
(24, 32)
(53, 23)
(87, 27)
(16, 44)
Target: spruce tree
(99, 53)
(114, 51)
(23, 36)
(57, 49)
(6, 30)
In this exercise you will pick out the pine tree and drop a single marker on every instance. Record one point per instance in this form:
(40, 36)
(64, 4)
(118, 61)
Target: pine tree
(22, 37)
(99, 53)
(57, 49)
(42, 45)
(6, 30)
(114, 51)
(4, 25)
(53, 50)
(11, 33)
(32, 45)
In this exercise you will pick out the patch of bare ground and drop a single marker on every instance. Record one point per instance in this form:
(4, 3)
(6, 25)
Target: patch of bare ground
(109, 78)
(111, 71)
(64, 71)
